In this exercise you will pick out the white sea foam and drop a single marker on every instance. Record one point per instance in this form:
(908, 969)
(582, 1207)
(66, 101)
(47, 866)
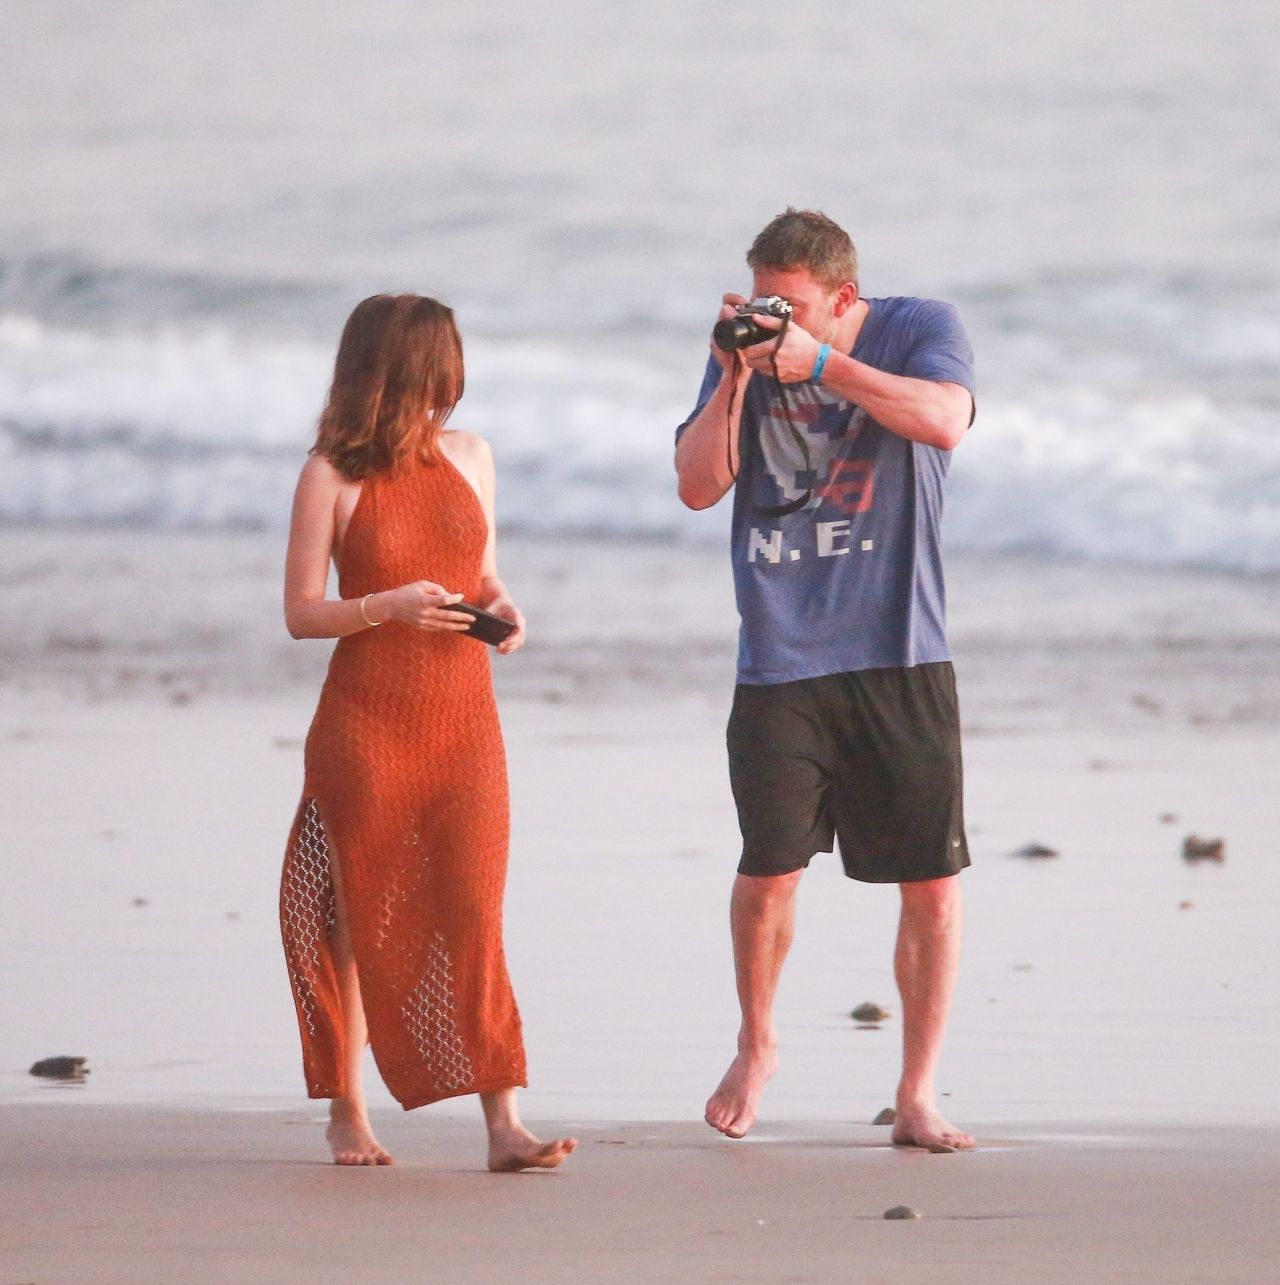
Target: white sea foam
(208, 429)
(68, 389)
(1161, 480)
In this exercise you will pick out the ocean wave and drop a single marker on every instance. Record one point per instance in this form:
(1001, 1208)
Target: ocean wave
(207, 428)
(1162, 480)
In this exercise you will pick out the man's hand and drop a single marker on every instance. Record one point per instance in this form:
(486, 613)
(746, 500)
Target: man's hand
(729, 308)
(794, 356)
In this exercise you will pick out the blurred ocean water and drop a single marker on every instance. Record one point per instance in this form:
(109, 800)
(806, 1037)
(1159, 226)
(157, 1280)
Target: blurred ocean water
(194, 196)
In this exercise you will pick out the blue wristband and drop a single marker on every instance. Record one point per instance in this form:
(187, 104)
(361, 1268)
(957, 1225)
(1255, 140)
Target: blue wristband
(820, 363)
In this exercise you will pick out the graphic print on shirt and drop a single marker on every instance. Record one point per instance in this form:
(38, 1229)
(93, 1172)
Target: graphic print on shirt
(812, 455)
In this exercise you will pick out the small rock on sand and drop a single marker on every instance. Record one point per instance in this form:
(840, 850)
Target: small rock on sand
(901, 1212)
(141, 901)
(941, 1149)
(1036, 850)
(869, 1012)
(887, 1116)
(1168, 818)
(1186, 905)
(1194, 848)
(60, 1068)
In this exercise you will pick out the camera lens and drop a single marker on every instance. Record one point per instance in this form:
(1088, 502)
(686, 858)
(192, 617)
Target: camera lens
(733, 333)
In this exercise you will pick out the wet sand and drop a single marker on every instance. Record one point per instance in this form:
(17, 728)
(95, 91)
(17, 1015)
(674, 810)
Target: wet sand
(116, 1194)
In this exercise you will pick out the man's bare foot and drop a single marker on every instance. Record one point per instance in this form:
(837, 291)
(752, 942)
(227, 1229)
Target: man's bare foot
(922, 1126)
(350, 1137)
(732, 1107)
(514, 1149)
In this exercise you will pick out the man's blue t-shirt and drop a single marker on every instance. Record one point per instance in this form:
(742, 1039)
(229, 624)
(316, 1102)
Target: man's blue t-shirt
(835, 541)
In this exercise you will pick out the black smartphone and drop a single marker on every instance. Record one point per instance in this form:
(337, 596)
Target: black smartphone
(485, 625)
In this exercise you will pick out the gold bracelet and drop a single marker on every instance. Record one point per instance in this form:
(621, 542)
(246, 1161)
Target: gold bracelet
(364, 615)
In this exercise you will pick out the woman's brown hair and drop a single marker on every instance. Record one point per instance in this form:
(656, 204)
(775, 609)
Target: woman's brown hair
(397, 378)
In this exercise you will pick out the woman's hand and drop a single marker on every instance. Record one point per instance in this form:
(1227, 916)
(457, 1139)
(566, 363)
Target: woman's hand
(423, 604)
(502, 606)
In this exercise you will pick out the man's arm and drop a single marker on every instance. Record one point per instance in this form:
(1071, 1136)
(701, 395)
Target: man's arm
(707, 452)
(707, 447)
(932, 411)
(921, 410)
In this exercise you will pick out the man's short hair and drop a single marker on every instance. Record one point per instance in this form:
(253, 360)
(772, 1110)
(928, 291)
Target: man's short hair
(805, 239)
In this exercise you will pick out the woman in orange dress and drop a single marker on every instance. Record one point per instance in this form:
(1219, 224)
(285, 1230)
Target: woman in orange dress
(391, 895)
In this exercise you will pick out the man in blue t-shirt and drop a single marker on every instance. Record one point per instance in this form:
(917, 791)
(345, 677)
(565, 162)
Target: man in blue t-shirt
(835, 437)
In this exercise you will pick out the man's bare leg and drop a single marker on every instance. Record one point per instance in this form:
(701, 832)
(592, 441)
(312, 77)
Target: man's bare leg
(350, 1134)
(762, 917)
(925, 963)
(511, 1146)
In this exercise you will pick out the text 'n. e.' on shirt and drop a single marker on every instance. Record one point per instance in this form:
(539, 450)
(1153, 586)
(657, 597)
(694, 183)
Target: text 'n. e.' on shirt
(852, 578)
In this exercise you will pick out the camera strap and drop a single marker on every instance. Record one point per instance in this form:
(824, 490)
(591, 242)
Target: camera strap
(792, 506)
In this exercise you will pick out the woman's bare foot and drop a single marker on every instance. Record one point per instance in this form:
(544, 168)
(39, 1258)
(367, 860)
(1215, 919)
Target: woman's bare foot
(920, 1125)
(732, 1107)
(350, 1137)
(511, 1150)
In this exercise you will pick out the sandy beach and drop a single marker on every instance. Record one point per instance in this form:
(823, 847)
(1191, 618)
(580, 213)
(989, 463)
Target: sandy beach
(1114, 1037)
(132, 1195)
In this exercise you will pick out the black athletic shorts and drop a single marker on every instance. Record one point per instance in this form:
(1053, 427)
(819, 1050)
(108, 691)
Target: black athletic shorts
(870, 757)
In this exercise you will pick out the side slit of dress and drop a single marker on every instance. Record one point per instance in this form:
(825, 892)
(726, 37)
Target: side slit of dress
(308, 919)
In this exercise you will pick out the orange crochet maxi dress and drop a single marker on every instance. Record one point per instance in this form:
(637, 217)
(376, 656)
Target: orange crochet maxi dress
(406, 794)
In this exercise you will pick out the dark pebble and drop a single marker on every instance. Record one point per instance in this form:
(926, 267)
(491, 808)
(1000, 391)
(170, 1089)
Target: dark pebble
(901, 1212)
(1036, 850)
(60, 1068)
(869, 1012)
(1194, 848)
(887, 1116)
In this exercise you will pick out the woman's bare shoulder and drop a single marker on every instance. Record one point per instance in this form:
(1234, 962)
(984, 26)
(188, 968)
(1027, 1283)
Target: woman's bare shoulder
(462, 444)
(320, 478)
(319, 473)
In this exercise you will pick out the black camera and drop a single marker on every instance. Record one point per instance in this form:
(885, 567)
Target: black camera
(741, 331)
